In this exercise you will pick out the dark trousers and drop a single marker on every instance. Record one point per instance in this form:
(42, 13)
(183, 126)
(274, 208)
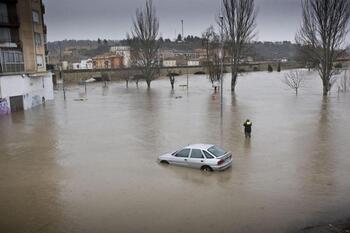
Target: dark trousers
(247, 134)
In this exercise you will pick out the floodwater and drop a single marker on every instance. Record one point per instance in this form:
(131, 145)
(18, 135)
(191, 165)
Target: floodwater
(91, 166)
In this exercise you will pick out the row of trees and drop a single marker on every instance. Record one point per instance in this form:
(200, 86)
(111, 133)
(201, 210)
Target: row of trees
(321, 37)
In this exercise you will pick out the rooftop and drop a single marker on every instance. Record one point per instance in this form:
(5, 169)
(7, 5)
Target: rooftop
(199, 146)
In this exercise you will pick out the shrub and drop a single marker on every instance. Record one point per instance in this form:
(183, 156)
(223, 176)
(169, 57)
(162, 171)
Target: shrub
(269, 68)
(279, 67)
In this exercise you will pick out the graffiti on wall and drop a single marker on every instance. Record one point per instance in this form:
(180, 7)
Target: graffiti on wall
(4, 107)
(36, 100)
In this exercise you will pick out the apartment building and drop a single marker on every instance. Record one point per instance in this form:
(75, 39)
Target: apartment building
(24, 80)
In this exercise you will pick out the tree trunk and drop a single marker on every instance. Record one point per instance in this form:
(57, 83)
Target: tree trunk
(233, 76)
(234, 70)
(148, 81)
(233, 82)
(172, 80)
(326, 88)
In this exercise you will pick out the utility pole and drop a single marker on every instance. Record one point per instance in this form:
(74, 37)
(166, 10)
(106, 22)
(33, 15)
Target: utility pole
(222, 65)
(187, 70)
(63, 85)
(182, 29)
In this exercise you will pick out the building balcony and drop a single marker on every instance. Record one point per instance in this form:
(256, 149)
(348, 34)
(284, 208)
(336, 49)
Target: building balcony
(9, 21)
(11, 61)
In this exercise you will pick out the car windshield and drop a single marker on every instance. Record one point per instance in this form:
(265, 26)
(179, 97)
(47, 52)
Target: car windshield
(216, 151)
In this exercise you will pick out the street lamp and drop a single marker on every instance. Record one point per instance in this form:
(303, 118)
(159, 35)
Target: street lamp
(222, 64)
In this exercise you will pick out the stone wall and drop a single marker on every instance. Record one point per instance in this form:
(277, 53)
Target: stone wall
(75, 76)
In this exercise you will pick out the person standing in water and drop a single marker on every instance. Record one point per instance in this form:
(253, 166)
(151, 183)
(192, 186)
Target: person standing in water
(247, 128)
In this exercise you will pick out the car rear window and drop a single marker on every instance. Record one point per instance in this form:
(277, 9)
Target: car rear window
(216, 151)
(207, 155)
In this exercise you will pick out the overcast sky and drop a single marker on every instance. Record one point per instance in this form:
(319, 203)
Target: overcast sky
(112, 19)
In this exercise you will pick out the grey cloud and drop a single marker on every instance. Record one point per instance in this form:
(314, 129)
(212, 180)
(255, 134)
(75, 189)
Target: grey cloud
(87, 19)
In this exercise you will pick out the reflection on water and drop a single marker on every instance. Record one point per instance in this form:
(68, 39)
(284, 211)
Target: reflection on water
(90, 166)
(29, 174)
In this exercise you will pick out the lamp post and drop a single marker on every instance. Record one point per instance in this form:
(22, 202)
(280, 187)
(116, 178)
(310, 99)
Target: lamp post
(63, 83)
(222, 64)
(187, 58)
(182, 29)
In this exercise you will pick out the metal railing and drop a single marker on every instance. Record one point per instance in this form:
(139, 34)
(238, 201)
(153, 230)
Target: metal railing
(11, 61)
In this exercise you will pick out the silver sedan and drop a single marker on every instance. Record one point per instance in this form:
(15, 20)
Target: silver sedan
(206, 157)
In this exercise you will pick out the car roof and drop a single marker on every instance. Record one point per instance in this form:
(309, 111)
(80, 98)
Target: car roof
(199, 146)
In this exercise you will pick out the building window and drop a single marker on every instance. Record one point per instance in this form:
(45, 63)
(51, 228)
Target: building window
(37, 37)
(39, 61)
(35, 15)
(11, 61)
(3, 13)
(5, 35)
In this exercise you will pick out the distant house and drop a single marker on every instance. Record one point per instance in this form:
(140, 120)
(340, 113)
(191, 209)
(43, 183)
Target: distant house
(76, 66)
(344, 60)
(108, 61)
(64, 65)
(200, 53)
(250, 59)
(67, 52)
(193, 62)
(166, 54)
(169, 63)
(122, 51)
(284, 60)
(86, 64)
(83, 65)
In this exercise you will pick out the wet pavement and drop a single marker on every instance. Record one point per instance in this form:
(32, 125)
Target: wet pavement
(91, 165)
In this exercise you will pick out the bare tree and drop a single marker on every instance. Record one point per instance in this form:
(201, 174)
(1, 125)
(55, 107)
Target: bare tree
(144, 43)
(211, 43)
(239, 25)
(294, 79)
(323, 33)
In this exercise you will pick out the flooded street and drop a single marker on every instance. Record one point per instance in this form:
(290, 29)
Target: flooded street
(91, 166)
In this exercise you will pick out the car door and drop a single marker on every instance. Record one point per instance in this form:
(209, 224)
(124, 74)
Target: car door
(196, 159)
(181, 157)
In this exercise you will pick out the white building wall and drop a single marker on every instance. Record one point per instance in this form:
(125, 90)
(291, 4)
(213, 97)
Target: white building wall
(193, 63)
(169, 63)
(64, 65)
(32, 89)
(76, 66)
(86, 64)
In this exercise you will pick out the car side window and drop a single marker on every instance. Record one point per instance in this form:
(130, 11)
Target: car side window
(183, 153)
(207, 155)
(197, 154)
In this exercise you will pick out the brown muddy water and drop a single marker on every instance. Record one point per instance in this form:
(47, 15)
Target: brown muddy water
(91, 166)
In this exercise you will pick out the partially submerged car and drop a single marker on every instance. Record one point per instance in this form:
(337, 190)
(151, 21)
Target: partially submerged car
(206, 157)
